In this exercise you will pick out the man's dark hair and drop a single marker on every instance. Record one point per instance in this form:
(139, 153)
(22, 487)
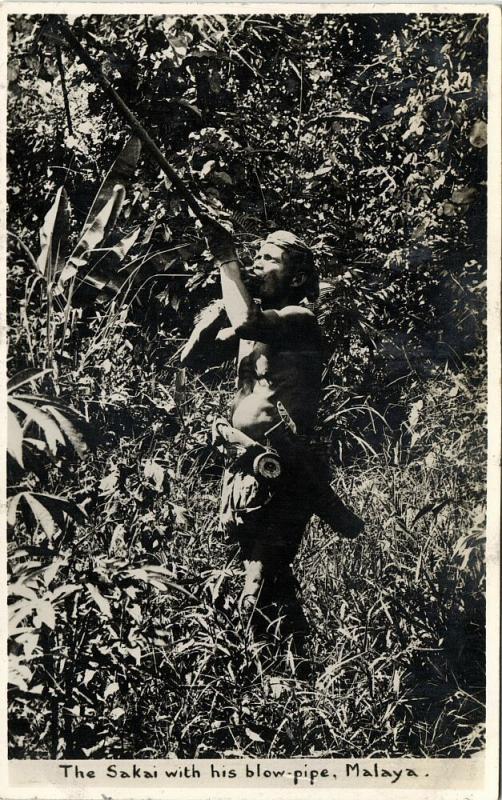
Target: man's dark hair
(299, 258)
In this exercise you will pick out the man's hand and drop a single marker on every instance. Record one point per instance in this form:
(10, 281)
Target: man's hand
(239, 304)
(219, 239)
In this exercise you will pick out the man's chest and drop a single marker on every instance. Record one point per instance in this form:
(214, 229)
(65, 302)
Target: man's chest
(256, 360)
(263, 364)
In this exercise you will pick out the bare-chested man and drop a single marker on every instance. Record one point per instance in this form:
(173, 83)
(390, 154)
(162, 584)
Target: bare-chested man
(278, 344)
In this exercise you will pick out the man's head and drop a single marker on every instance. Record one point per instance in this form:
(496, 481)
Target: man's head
(284, 270)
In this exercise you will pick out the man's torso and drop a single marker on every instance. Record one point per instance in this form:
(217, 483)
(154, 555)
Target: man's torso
(289, 373)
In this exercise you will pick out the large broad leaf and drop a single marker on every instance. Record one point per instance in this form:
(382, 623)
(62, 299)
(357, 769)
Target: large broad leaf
(45, 614)
(98, 228)
(101, 602)
(25, 376)
(50, 430)
(102, 273)
(19, 674)
(14, 437)
(60, 507)
(120, 173)
(47, 509)
(118, 252)
(19, 589)
(41, 514)
(106, 207)
(53, 236)
(12, 506)
(64, 420)
(74, 427)
(66, 590)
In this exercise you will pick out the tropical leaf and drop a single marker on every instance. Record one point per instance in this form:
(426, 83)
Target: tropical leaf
(47, 509)
(250, 224)
(434, 508)
(110, 689)
(49, 428)
(101, 602)
(19, 611)
(53, 236)
(19, 674)
(25, 376)
(74, 426)
(52, 570)
(59, 506)
(154, 471)
(97, 229)
(189, 106)
(65, 590)
(19, 589)
(12, 506)
(121, 249)
(351, 115)
(120, 174)
(102, 274)
(45, 614)
(14, 437)
(255, 737)
(41, 514)
(68, 271)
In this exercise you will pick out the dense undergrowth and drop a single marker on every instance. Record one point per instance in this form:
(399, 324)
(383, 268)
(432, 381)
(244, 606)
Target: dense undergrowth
(126, 640)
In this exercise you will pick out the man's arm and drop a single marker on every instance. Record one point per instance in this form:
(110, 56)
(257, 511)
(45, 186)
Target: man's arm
(246, 317)
(290, 324)
(210, 342)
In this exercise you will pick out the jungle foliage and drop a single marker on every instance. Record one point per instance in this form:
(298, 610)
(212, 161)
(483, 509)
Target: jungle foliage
(367, 135)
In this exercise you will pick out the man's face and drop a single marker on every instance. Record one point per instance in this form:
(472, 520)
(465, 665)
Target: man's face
(271, 279)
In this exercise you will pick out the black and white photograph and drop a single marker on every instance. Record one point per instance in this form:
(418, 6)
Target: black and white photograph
(247, 321)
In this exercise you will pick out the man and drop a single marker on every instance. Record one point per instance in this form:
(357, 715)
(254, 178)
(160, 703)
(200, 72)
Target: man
(278, 345)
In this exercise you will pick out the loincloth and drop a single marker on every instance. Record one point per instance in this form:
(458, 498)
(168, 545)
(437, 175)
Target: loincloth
(264, 515)
(269, 509)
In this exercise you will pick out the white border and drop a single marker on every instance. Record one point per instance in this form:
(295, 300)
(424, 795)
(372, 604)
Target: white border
(490, 791)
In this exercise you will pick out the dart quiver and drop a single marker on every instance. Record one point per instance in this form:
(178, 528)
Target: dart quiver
(268, 465)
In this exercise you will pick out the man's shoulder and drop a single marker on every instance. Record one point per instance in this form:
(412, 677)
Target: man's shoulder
(301, 327)
(298, 312)
(301, 319)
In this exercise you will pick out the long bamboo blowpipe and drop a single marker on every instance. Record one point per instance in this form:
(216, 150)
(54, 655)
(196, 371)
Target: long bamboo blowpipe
(123, 109)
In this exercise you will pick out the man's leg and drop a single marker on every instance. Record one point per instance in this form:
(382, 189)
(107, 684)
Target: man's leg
(280, 625)
(310, 469)
(269, 536)
(253, 582)
(270, 588)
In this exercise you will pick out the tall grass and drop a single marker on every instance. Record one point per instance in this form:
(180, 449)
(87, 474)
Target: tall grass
(133, 645)
(395, 662)
(396, 618)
